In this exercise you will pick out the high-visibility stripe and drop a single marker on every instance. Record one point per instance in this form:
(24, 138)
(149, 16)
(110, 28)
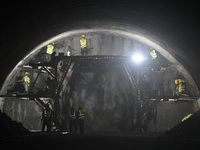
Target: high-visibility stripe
(181, 88)
(73, 116)
(49, 49)
(186, 117)
(153, 54)
(81, 114)
(26, 80)
(83, 42)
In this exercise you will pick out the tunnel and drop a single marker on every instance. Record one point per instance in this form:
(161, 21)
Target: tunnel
(115, 92)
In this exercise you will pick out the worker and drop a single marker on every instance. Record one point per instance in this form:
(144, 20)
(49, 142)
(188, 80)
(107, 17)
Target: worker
(46, 118)
(26, 81)
(180, 89)
(83, 42)
(153, 53)
(81, 118)
(73, 119)
(49, 51)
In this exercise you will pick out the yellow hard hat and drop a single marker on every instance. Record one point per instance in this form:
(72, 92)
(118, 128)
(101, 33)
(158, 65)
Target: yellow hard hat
(151, 48)
(26, 72)
(53, 43)
(83, 35)
(176, 81)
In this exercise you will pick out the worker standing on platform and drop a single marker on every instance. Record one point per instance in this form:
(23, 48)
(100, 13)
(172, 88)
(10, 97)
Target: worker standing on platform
(155, 60)
(26, 81)
(180, 89)
(153, 53)
(49, 51)
(46, 118)
(83, 42)
(81, 118)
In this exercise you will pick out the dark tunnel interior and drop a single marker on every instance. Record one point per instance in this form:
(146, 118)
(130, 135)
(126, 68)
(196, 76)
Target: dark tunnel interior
(122, 100)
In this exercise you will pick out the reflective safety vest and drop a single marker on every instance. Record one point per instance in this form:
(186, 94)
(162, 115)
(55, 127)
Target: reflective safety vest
(181, 88)
(186, 117)
(72, 114)
(153, 54)
(49, 49)
(81, 114)
(26, 80)
(83, 43)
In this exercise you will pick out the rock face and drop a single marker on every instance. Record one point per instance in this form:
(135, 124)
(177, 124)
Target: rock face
(10, 128)
(104, 91)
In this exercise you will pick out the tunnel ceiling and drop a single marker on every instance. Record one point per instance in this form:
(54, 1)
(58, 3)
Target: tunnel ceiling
(168, 29)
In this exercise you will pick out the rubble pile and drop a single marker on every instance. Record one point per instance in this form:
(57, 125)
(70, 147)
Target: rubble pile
(188, 129)
(10, 128)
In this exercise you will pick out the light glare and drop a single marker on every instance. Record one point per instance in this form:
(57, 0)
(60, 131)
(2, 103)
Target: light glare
(138, 58)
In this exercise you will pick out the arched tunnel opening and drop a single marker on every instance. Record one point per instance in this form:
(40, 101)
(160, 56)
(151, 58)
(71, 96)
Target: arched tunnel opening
(117, 94)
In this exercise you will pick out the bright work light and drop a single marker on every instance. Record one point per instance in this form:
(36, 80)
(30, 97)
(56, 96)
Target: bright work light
(138, 58)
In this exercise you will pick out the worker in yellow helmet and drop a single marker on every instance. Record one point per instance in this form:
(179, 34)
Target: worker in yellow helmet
(177, 81)
(180, 89)
(49, 51)
(26, 81)
(83, 42)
